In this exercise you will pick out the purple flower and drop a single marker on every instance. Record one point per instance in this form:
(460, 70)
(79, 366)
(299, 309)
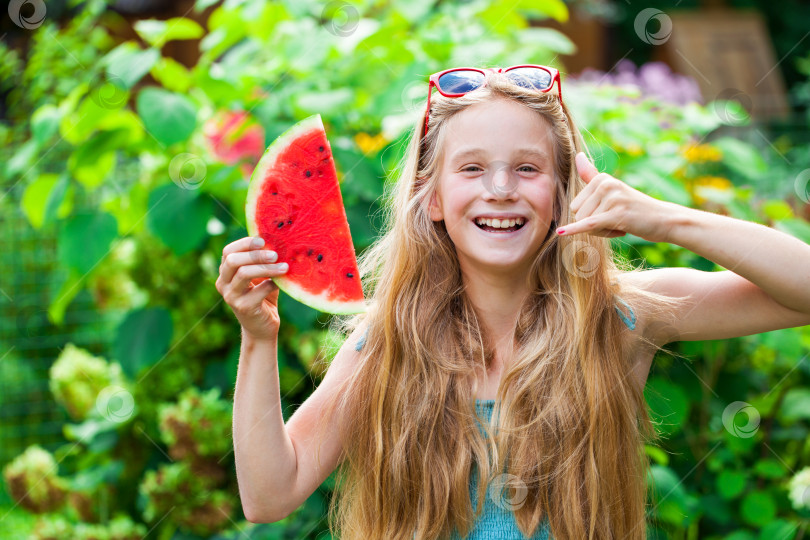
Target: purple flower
(654, 79)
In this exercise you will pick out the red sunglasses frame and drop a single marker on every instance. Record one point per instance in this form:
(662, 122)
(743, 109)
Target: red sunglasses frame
(434, 82)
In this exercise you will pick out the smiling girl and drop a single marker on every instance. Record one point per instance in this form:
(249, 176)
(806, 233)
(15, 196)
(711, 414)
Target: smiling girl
(493, 389)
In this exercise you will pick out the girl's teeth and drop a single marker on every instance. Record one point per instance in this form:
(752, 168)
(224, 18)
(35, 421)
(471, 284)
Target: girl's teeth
(500, 223)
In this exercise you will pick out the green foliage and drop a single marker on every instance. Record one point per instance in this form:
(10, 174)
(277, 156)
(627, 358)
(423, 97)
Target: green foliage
(77, 377)
(33, 481)
(128, 176)
(143, 338)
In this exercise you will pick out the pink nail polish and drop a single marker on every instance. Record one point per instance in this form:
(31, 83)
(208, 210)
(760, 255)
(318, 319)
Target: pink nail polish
(560, 231)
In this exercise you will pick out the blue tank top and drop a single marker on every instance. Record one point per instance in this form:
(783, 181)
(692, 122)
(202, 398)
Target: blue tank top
(497, 521)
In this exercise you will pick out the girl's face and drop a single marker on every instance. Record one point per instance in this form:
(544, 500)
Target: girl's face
(497, 164)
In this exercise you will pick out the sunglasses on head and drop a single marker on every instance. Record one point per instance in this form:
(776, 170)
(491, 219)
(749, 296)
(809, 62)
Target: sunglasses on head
(455, 82)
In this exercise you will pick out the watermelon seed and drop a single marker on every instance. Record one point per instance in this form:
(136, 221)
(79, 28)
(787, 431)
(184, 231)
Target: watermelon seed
(309, 173)
(309, 252)
(349, 274)
(320, 257)
(289, 222)
(280, 223)
(320, 149)
(275, 193)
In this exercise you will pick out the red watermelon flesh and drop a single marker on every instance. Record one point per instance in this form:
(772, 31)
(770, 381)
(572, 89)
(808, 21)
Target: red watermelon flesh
(294, 203)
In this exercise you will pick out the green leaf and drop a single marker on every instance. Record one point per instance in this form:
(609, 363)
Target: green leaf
(413, 10)
(730, 483)
(128, 63)
(324, 102)
(62, 297)
(777, 209)
(85, 239)
(796, 404)
(172, 75)
(20, 162)
(779, 529)
(362, 178)
(88, 430)
(47, 196)
(158, 32)
(547, 38)
(169, 117)
(142, 339)
(88, 479)
(758, 508)
(657, 454)
(672, 502)
(200, 5)
(741, 534)
(741, 157)
(556, 9)
(300, 315)
(179, 217)
(91, 171)
(45, 123)
(93, 160)
(669, 405)
(92, 116)
(769, 468)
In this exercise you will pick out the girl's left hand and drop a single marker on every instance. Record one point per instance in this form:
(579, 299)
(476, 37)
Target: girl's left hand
(609, 207)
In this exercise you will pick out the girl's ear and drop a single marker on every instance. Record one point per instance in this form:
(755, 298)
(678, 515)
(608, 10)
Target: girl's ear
(434, 208)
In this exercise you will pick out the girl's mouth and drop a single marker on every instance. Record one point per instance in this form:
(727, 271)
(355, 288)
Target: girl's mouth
(499, 227)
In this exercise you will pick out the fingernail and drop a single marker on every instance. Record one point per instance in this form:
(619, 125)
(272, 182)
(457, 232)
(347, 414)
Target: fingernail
(560, 231)
(283, 267)
(258, 241)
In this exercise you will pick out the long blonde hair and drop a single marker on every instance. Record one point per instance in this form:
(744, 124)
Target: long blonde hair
(569, 416)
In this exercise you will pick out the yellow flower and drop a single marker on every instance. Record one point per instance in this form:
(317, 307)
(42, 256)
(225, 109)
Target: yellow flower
(702, 152)
(633, 150)
(368, 143)
(708, 182)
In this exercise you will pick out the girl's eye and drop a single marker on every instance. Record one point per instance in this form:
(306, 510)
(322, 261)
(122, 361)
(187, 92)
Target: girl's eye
(472, 168)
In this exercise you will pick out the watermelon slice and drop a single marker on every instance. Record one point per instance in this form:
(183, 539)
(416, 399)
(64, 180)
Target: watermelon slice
(294, 203)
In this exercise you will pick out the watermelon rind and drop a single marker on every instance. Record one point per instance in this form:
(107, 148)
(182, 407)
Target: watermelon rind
(268, 161)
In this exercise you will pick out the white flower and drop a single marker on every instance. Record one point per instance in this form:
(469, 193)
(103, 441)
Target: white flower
(800, 489)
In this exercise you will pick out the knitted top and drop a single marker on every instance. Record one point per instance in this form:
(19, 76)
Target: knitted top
(497, 521)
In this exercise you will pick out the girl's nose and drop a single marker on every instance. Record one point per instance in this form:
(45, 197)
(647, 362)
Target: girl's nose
(500, 181)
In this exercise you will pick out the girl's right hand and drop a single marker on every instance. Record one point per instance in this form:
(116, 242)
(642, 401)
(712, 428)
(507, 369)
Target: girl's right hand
(242, 283)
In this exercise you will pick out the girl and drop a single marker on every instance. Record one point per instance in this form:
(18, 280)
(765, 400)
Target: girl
(493, 388)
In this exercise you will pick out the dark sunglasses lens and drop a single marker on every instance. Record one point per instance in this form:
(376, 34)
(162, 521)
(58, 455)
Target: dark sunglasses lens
(532, 78)
(461, 81)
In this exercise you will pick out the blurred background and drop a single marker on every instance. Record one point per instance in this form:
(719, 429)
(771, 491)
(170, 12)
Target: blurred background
(130, 128)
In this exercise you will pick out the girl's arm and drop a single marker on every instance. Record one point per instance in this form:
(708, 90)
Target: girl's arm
(765, 287)
(263, 451)
(276, 464)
